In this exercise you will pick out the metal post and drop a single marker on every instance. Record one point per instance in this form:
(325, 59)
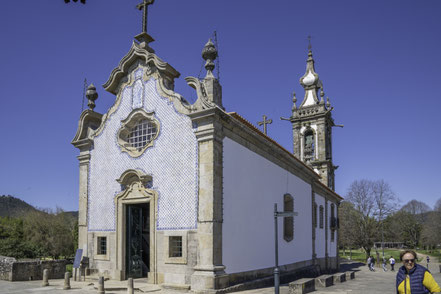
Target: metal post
(276, 268)
(276, 243)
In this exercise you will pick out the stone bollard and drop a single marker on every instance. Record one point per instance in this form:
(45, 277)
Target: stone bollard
(66, 281)
(101, 286)
(130, 286)
(45, 278)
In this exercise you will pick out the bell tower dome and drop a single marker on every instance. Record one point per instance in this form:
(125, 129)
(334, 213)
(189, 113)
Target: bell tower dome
(312, 124)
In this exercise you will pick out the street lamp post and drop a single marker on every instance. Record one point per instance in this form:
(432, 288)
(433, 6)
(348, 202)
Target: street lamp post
(276, 245)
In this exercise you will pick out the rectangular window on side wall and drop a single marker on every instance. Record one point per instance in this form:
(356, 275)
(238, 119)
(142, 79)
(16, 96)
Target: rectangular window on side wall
(314, 215)
(333, 222)
(101, 245)
(288, 222)
(175, 246)
(321, 216)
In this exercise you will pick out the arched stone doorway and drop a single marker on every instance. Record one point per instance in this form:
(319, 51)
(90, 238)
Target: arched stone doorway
(136, 209)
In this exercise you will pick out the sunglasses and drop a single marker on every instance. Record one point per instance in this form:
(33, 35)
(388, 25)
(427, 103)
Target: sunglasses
(409, 260)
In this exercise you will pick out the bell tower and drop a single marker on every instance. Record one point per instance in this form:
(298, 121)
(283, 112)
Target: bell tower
(312, 124)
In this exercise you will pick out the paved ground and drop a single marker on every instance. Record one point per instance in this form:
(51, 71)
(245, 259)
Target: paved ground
(365, 282)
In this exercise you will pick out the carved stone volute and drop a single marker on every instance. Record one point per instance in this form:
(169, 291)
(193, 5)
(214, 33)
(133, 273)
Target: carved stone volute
(209, 90)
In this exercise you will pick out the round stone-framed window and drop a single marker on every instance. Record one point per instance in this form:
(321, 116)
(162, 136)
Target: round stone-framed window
(137, 133)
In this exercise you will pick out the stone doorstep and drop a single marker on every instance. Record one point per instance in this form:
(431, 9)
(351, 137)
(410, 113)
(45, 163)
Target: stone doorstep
(112, 285)
(302, 286)
(179, 287)
(324, 281)
(339, 277)
(350, 275)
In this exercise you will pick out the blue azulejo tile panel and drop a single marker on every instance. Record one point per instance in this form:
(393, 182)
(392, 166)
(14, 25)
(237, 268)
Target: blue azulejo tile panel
(172, 162)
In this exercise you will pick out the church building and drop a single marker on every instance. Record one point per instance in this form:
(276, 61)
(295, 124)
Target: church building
(183, 194)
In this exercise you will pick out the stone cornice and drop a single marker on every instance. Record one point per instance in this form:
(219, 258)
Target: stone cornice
(84, 158)
(138, 52)
(323, 190)
(209, 126)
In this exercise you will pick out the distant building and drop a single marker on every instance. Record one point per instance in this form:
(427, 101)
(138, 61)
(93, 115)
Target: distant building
(183, 194)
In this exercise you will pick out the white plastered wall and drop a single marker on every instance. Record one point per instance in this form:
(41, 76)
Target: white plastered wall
(252, 184)
(320, 249)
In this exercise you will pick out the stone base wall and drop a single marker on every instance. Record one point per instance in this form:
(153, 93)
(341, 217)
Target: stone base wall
(12, 270)
(288, 273)
(6, 267)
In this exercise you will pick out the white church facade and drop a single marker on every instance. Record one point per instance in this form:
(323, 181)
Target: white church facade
(183, 194)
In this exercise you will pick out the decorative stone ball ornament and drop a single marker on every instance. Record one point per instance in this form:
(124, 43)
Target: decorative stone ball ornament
(91, 95)
(209, 54)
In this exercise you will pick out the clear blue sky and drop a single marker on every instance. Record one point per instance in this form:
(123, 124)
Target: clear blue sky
(379, 61)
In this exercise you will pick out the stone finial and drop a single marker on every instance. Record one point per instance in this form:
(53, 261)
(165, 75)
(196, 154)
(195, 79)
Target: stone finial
(209, 54)
(328, 103)
(294, 101)
(322, 94)
(91, 95)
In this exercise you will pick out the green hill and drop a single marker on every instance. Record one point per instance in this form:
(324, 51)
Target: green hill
(14, 207)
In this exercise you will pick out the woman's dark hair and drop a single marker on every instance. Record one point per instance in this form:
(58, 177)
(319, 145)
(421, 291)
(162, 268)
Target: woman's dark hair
(408, 251)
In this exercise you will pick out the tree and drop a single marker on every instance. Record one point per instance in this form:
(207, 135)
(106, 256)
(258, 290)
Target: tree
(52, 232)
(437, 206)
(12, 239)
(346, 233)
(372, 201)
(404, 227)
(431, 229)
(415, 207)
(385, 202)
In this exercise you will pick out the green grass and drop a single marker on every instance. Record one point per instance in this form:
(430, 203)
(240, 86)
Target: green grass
(433, 252)
(360, 256)
(357, 255)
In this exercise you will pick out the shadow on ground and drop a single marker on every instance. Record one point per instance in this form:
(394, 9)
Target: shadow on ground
(348, 265)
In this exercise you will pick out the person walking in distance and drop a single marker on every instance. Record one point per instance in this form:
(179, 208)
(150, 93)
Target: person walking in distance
(413, 278)
(372, 264)
(369, 263)
(428, 260)
(392, 263)
(384, 264)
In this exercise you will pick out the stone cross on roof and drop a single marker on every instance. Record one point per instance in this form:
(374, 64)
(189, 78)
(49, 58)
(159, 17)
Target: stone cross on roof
(264, 123)
(144, 6)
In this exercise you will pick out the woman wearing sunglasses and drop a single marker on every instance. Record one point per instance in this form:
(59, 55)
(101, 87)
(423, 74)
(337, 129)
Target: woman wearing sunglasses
(413, 278)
